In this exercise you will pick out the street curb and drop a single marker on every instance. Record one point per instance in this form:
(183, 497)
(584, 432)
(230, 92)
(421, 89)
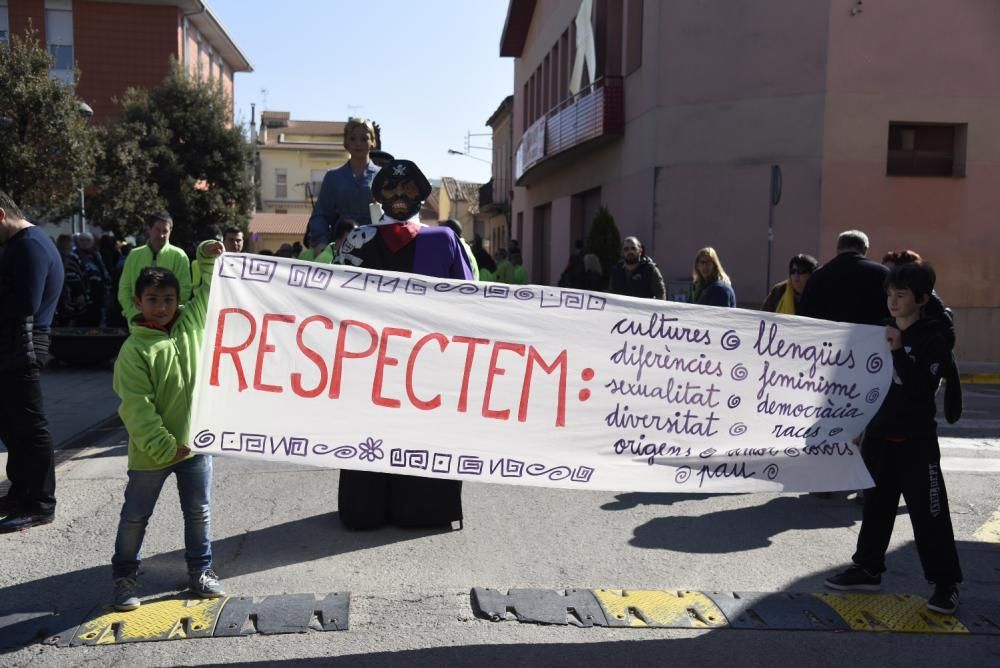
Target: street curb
(84, 437)
(981, 378)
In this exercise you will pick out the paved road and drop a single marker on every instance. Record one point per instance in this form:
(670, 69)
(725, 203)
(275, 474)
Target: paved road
(277, 532)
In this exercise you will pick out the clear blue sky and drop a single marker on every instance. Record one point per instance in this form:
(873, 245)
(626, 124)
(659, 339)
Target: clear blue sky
(428, 72)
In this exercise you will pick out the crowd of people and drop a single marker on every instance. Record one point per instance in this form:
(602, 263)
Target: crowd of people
(92, 271)
(161, 293)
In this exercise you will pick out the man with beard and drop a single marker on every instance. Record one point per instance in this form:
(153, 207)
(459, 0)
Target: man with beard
(398, 242)
(635, 274)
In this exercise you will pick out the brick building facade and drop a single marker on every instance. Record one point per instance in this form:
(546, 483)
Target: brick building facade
(118, 45)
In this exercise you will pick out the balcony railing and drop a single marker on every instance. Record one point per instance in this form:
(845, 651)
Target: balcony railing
(596, 111)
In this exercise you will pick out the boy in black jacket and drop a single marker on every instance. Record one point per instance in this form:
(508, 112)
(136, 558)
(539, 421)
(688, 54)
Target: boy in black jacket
(901, 448)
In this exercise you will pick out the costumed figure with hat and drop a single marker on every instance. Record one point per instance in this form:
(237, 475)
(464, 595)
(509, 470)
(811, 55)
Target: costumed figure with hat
(399, 242)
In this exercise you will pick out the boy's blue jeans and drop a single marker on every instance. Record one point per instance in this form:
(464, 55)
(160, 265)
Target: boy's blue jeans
(194, 486)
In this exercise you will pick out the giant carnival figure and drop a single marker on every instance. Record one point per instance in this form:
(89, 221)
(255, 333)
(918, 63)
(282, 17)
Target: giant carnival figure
(399, 242)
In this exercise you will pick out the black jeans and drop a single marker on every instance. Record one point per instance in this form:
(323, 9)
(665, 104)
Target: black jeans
(25, 432)
(911, 468)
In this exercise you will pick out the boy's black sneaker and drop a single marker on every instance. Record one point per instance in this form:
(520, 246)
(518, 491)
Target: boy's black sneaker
(944, 599)
(854, 578)
(126, 594)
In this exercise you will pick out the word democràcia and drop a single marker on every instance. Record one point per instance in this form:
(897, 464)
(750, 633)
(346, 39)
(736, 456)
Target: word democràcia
(521, 360)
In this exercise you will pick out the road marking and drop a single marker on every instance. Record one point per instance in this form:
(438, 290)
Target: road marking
(972, 443)
(990, 531)
(970, 464)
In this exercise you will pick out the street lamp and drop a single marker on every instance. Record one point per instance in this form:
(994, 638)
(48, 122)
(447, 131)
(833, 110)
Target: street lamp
(469, 155)
(87, 112)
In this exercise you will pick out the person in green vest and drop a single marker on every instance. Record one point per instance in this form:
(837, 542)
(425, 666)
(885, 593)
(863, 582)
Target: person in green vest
(505, 270)
(456, 227)
(157, 252)
(520, 273)
(487, 265)
(308, 253)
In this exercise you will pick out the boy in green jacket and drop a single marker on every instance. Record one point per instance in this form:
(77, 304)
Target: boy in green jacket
(154, 378)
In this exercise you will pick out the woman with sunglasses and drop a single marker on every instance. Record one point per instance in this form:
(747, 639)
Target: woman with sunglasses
(784, 297)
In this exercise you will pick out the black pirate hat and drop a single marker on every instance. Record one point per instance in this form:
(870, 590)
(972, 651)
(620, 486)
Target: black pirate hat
(402, 169)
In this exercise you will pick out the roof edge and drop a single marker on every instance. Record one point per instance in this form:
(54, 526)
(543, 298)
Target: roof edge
(209, 24)
(515, 27)
(508, 102)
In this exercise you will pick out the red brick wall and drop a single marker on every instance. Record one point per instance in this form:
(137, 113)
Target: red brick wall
(20, 11)
(118, 46)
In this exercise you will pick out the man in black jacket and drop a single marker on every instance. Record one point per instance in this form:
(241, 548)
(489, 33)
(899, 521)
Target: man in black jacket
(848, 288)
(31, 280)
(636, 275)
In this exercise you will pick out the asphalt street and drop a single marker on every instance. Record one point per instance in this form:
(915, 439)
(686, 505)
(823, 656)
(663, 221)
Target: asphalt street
(276, 532)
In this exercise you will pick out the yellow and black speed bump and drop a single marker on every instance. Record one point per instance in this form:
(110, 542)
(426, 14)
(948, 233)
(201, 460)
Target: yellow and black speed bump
(540, 606)
(181, 618)
(161, 619)
(787, 611)
(899, 613)
(891, 612)
(668, 609)
(286, 613)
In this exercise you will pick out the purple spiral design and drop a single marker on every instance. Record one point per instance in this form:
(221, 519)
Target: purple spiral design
(738, 429)
(739, 372)
(771, 471)
(554, 473)
(461, 288)
(835, 431)
(340, 452)
(874, 363)
(730, 340)
(734, 401)
(524, 294)
(707, 453)
(682, 474)
(873, 395)
(204, 439)
(792, 452)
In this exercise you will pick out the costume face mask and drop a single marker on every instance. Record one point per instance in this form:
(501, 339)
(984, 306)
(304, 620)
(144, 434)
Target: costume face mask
(400, 198)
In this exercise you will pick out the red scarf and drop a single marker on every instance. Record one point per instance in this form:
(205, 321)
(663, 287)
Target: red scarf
(397, 237)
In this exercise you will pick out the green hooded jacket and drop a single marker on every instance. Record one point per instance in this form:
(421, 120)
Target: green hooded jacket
(169, 257)
(154, 378)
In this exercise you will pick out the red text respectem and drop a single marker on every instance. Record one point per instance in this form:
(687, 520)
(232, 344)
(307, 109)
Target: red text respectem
(389, 347)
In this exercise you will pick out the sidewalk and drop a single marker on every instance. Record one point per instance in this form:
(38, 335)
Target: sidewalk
(76, 399)
(980, 373)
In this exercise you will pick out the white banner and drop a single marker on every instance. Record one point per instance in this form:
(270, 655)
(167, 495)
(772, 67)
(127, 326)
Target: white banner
(528, 385)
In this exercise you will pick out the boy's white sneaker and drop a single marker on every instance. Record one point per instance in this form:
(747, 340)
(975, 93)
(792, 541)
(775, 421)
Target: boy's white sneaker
(206, 584)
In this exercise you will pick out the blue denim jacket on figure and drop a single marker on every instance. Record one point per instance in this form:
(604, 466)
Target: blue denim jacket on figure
(342, 196)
